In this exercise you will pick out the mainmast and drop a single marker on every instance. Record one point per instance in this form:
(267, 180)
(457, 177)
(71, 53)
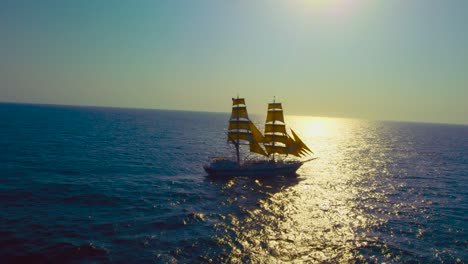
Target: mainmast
(275, 130)
(277, 140)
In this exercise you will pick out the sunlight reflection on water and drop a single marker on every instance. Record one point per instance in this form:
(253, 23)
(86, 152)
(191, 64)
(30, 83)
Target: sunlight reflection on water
(333, 210)
(87, 185)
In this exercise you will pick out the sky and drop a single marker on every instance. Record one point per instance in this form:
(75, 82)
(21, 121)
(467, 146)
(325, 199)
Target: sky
(373, 59)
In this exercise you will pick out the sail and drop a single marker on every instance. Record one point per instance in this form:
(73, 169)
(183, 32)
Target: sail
(276, 149)
(275, 128)
(239, 124)
(238, 101)
(274, 106)
(292, 147)
(256, 134)
(301, 146)
(239, 112)
(275, 115)
(256, 148)
(270, 138)
(239, 135)
(275, 138)
(241, 130)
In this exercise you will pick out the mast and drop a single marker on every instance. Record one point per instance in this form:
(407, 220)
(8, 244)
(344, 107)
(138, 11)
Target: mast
(237, 135)
(275, 130)
(242, 131)
(237, 149)
(273, 134)
(277, 140)
(238, 124)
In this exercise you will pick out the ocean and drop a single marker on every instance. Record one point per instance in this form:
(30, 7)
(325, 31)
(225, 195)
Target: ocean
(110, 185)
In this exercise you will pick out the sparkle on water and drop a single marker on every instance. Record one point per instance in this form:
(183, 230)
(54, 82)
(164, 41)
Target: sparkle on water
(337, 207)
(95, 184)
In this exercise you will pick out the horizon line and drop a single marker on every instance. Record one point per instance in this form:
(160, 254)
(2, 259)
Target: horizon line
(220, 112)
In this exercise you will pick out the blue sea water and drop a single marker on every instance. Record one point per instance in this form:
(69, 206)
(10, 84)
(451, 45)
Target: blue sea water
(107, 185)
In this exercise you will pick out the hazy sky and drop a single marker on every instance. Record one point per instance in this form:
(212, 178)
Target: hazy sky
(377, 59)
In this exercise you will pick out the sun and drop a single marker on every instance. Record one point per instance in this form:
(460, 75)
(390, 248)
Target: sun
(319, 4)
(330, 8)
(322, 3)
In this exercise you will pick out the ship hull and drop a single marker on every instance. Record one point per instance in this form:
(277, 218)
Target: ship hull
(264, 169)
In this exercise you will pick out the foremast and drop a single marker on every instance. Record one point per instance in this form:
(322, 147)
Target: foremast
(242, 131)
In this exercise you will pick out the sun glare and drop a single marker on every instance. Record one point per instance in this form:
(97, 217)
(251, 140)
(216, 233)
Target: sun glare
(323, 3)
(329, 8)
(315, 126)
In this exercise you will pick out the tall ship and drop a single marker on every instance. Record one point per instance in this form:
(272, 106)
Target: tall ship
(272, 150)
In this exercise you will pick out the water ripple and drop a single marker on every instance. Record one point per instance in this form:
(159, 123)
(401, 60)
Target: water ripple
(120, 185)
